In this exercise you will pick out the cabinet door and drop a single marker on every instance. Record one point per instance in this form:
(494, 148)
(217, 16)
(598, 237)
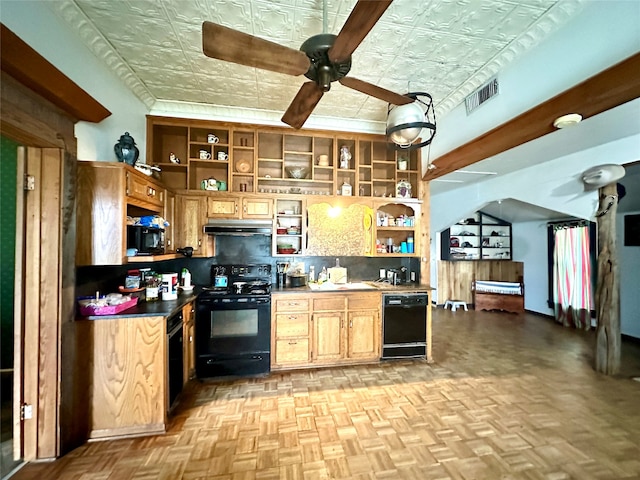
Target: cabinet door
(364, 335)
(189, 353)
(257, 208)
(327, 337)
(144, 190)
(170, 217)
(191, 219)
(223, 207)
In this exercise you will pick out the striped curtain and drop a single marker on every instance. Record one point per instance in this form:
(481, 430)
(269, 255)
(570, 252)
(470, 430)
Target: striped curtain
(572, 292)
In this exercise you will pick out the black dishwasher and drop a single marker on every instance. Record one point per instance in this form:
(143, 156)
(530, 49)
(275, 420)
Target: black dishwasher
(175, 366)
(404, 325)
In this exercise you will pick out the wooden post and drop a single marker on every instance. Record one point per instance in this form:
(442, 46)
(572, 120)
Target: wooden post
(608, 341)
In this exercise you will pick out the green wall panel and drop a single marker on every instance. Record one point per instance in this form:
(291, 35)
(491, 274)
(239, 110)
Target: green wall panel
(8, 172)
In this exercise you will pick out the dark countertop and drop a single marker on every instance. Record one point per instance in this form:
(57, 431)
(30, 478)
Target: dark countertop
(166, 308)
(159, 308)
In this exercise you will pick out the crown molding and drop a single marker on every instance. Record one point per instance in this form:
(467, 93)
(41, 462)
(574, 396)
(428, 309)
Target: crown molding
(77, 21)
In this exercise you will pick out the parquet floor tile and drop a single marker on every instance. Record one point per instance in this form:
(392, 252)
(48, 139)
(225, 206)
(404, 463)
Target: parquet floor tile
(509, 397)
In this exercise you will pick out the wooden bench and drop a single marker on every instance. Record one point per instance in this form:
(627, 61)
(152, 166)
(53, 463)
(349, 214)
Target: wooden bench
(498, 295)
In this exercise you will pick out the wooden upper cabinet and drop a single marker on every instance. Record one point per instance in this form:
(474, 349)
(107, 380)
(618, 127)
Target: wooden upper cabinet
(239, 207)
(142, 191)
(107, 193)
(223, 207)
(191, 217)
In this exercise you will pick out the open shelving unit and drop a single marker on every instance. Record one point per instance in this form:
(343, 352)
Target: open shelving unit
(480, 237)
(255, 159)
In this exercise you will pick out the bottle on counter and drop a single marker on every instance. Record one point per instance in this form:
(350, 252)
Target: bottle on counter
(312, 274)
(322, 276)
(186, 278)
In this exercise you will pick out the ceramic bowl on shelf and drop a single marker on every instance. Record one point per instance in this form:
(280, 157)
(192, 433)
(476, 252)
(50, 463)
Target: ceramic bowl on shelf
(243, 166)
(297, 172)
(293, 231)
(281, 231)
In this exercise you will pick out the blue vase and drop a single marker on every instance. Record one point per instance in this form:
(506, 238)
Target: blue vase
(126, 150)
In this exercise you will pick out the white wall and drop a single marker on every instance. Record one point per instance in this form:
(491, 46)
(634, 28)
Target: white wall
(36, 25)
(603, 34)
(629, 268)
(530, 247)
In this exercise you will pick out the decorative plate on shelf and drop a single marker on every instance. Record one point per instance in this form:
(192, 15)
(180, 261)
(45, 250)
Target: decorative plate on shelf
(243, 166)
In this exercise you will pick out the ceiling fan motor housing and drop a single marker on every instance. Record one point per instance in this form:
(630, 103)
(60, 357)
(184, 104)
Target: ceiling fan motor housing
(322, 70)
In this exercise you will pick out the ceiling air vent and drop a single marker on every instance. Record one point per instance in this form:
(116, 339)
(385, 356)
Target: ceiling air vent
(481, 95)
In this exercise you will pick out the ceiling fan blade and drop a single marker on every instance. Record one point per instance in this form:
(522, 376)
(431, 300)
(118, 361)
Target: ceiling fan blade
(361, 20)
(233, 46)
(376, 91)
(303, 104)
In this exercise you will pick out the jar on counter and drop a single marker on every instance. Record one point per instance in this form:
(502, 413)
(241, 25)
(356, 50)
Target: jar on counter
(152, 290)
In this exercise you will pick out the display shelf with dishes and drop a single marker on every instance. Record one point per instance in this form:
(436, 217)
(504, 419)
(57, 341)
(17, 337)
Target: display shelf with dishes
(479, 237)
(289, 228)
(270, 155)
(397, 229)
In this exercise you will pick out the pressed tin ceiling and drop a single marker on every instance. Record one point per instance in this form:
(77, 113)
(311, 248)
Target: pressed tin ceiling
(445, 48)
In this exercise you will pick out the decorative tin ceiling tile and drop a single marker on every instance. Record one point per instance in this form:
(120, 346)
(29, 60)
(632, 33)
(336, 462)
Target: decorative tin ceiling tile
(446, 47)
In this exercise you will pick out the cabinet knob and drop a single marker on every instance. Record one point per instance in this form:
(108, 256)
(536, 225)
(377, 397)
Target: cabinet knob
(293, 304)
(292, 317)
(293, 343)
(350, 323)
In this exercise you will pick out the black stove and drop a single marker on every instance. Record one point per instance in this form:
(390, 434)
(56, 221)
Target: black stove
(233, 322)
(236, 281)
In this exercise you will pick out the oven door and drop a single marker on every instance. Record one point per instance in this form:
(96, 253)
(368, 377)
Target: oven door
(233, 336)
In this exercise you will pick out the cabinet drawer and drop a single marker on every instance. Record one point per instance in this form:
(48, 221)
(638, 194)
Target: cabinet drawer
(294, 351)
(141, 189)
(292, 305)
(329, 303)
(367, 301)
(292, 325)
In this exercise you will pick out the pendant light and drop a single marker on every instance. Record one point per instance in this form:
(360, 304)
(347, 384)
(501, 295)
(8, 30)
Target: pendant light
(408, 123)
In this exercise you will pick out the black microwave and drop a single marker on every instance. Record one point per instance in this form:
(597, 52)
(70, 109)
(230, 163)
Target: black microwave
(146, 240)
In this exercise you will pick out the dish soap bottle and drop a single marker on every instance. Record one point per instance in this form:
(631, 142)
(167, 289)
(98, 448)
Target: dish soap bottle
(322, 276)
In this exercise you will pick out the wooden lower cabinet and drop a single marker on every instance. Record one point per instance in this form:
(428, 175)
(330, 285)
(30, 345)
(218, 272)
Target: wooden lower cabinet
(127, 360)
(325, 329)
(364, 334)
(290, 336)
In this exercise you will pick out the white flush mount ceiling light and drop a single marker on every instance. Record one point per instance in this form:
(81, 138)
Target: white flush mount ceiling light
(568, 120)
(408, 123)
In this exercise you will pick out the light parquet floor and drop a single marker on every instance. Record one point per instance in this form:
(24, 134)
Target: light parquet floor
(508, 397)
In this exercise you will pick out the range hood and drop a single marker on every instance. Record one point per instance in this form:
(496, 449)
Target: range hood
(238, 227)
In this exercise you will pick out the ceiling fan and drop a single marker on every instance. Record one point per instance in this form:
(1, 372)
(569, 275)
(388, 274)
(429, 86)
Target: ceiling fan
(322, 58)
